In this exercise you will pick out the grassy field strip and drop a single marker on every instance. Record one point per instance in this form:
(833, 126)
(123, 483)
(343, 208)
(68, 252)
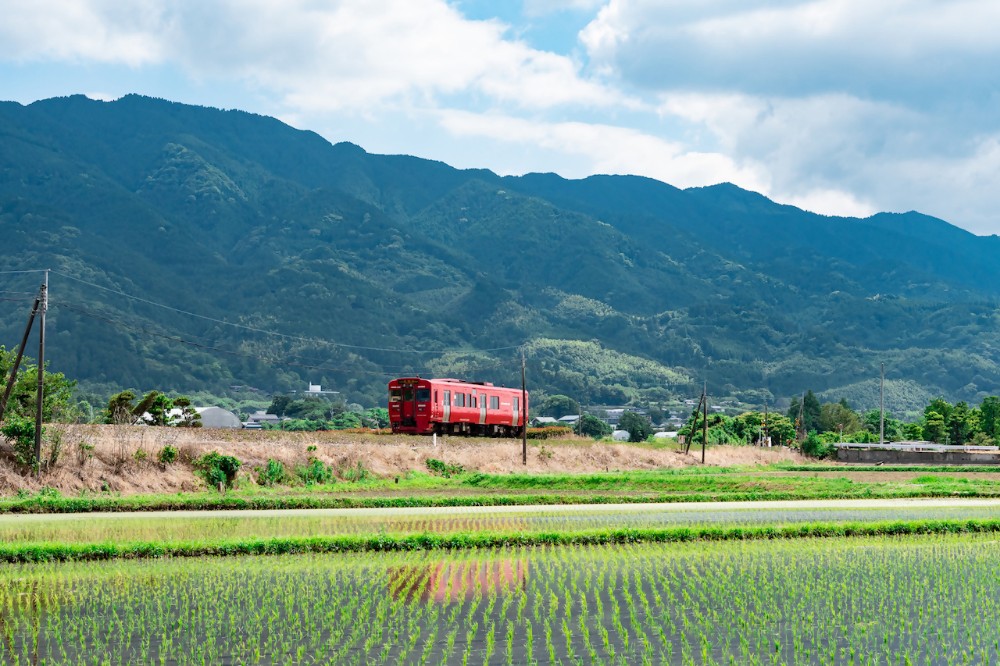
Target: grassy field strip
(477, 489)
(217, 527)
(43, 552)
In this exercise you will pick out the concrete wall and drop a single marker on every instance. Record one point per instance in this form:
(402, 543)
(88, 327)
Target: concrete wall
(872, 456)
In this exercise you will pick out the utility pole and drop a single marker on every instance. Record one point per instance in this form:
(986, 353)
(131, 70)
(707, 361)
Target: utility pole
(524, 415)
(800, 427)
(43, 297)
(20, 354)
(881, 407)
(767, 434)
(704, 421)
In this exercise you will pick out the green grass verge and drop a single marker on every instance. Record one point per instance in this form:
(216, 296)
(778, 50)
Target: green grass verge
(342, 544)
(730, 490)
(847, 467)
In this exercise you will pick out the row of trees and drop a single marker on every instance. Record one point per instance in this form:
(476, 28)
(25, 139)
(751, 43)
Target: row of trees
(941, 422)
(316, 413)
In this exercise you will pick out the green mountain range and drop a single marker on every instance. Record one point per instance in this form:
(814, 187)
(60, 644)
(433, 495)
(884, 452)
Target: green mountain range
(195, 249)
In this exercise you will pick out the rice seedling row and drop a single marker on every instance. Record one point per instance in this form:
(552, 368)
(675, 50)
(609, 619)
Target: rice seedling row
(885, 600)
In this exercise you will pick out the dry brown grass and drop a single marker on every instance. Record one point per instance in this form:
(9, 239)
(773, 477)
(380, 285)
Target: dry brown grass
(104, 457)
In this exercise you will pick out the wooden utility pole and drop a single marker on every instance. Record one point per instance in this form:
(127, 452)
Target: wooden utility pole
(881, 407)
(524, 414)
(704, 421)
(702, 406)
(20, 355)
(43, 306)
(800, 427)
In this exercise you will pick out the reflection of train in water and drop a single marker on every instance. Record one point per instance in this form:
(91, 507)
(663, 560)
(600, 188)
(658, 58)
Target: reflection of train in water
(453, 407)
(447, 582)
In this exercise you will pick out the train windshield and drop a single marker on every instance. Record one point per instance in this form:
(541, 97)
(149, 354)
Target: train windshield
(394, 395)
(423, 395)
(407, 394)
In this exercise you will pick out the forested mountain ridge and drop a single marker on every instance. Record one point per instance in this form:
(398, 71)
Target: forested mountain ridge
(371, 266)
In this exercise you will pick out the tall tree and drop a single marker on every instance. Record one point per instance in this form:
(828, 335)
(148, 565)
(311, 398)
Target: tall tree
(989, 417)
(835, 417)
(935, 428)
(962, 424)
(637, 425)
(558, 406)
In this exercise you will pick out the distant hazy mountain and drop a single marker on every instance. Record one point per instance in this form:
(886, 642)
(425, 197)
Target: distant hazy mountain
(285, 259)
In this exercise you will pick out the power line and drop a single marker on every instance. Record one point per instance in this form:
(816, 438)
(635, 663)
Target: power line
(312, 364)
(276, 334)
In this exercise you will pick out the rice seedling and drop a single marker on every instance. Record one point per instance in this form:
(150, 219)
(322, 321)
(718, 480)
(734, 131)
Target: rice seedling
(883, 599)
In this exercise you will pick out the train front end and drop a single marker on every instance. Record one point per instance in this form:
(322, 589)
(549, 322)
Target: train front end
(410, 406)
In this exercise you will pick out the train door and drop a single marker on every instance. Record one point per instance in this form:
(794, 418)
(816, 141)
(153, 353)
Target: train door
(516, 412)
(447, 407)
(482, 408)
(408, 406)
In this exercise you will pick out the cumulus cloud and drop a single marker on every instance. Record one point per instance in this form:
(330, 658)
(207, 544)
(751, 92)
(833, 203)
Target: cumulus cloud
(100, 31)
(351, 54)
(609, 149)
(850, 105)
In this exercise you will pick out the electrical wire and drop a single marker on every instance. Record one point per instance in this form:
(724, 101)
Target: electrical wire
(303, 362)
(274, 333)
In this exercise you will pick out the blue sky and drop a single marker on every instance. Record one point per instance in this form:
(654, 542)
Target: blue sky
(838, 106)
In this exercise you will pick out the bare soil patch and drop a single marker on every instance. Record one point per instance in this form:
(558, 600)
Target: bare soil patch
(124, 458)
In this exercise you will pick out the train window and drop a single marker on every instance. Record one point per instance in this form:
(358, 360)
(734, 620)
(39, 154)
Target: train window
(407, 394)
(494, 402)
(460, 400)
(436, 400)
(394, 395)
(447, 397)
(423, 395)
(473, 401)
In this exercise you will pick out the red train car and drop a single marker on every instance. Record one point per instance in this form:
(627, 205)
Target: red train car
(452, 407)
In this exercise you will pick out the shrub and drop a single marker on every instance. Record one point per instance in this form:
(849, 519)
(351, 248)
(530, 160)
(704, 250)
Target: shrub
(167, 455)
(549, 432)
(444, 469)
(272, 473)
(814, 446)
(20, 432)
(216, 469)
(314, 472)
(357, 473)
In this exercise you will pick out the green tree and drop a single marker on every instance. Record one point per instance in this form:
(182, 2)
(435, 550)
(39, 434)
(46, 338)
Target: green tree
(279, 404)
(892, 427)
(835, 417)
(120, 408)
(781, 429)
(592, 426)
(934, 427)
(376, 417)
(989, 417)
(809, 408)
(57, 391)
(638, 426)
(962, 424)
(558, 406)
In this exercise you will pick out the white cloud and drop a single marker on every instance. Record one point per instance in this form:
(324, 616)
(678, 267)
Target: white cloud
(890, 49)
(543, 7)
(99, 31)
(609, 149)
